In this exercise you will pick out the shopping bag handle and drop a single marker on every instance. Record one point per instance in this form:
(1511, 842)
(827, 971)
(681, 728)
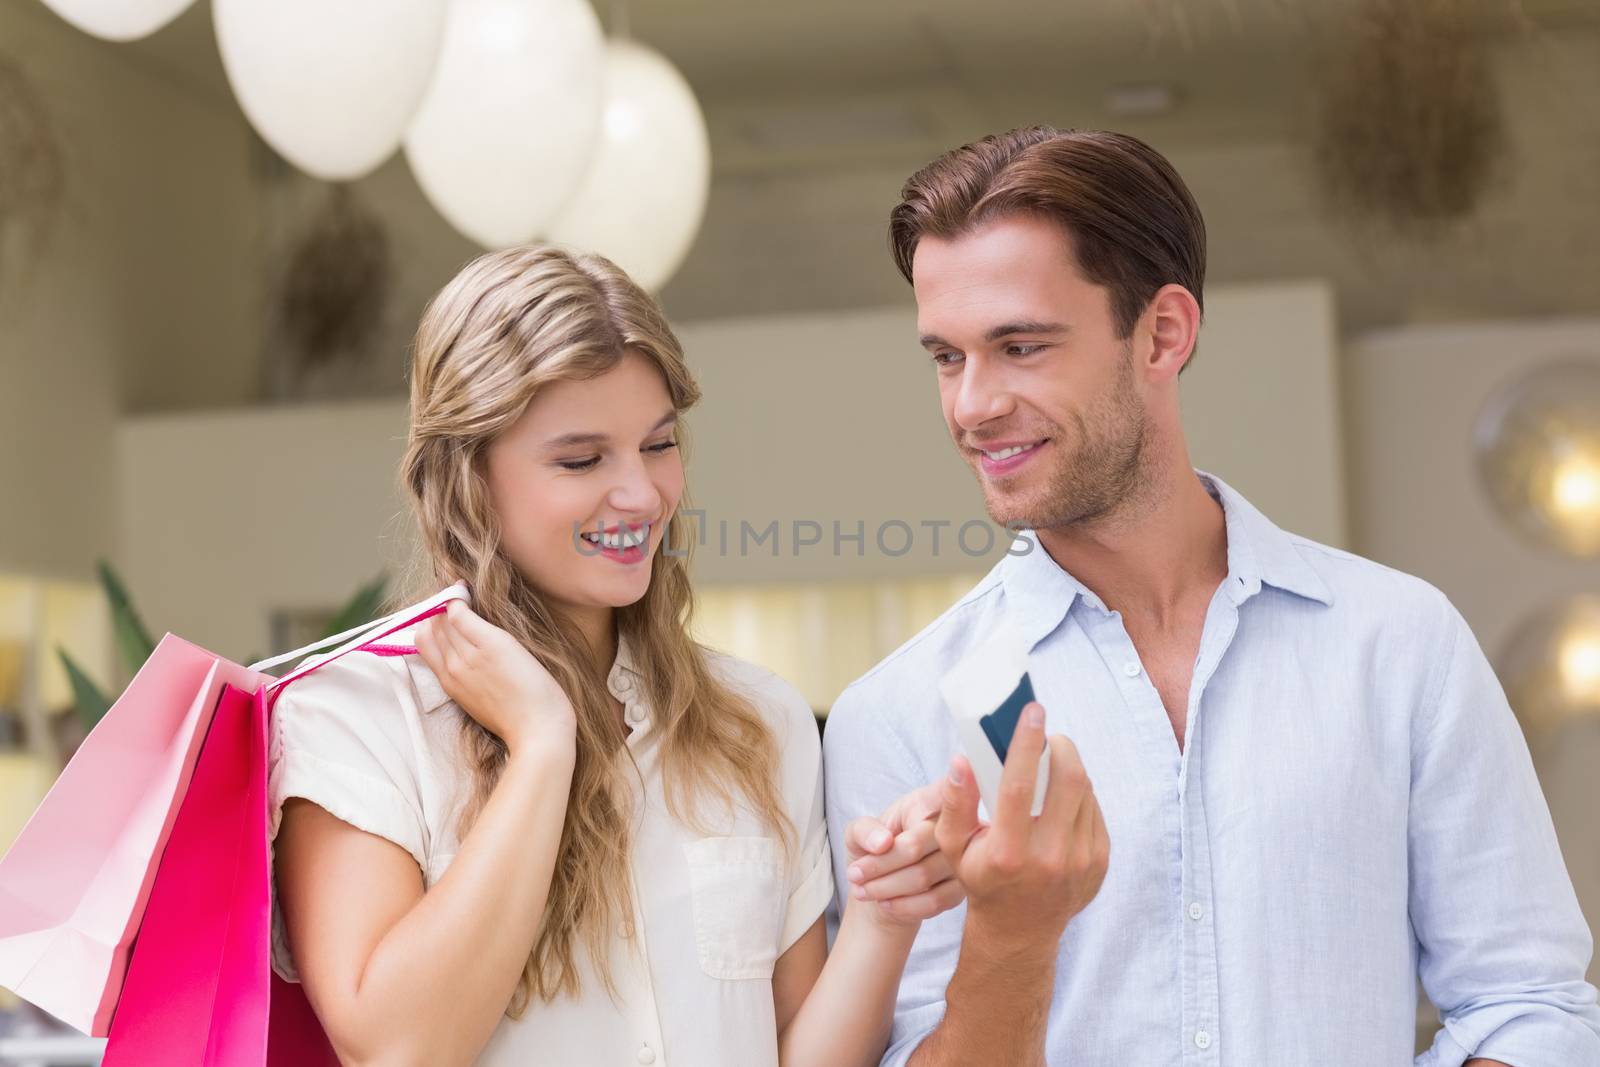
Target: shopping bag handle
(364, 633)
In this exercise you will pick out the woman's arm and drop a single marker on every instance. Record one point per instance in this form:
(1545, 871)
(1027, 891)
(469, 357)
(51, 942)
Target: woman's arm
(835, 1009)
(399, 976)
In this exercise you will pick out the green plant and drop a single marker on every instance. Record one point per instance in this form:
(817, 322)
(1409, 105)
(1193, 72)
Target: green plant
(134, 641)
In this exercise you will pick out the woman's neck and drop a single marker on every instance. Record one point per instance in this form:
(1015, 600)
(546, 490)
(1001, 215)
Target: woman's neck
(598, 627)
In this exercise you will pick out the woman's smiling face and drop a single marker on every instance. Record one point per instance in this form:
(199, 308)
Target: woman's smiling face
(585, 482)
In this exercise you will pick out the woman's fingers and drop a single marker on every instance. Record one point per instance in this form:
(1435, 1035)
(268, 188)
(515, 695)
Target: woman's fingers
(941, 898)
(469, 628)
(910, 880)
(867, 836)
(910, 847)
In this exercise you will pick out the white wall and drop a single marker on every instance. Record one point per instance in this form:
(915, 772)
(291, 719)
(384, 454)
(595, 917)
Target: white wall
(225, 515)
(1414, 396)
(156, 219)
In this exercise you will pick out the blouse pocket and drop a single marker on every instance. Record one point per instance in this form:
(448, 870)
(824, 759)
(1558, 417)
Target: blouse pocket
(738, 891)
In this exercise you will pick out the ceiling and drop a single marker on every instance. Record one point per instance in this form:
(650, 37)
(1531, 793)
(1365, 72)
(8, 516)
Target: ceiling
(818, 110)
(791, 83)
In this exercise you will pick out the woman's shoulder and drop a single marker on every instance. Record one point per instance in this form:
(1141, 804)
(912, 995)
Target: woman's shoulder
(362, 704)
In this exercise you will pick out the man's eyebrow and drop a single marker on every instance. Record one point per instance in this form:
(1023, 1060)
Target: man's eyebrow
(1026, 326)
(569, 440)
(929, 340)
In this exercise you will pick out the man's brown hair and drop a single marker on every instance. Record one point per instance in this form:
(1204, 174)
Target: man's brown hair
(1133, 224)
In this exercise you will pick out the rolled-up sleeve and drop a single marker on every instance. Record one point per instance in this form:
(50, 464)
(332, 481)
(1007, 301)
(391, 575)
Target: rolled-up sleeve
(868, 767)
(1503, 945)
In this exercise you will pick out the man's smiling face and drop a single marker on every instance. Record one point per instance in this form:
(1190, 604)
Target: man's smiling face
(1038, 391)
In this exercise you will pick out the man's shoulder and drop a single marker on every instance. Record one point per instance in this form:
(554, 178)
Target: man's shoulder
(906, 679)
(1364, 589)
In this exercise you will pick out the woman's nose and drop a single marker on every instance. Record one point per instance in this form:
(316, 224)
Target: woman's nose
(634, 493)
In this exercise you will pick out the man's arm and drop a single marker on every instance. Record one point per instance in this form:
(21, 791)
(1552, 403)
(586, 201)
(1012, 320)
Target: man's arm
(1503, 943)
(1026, 877)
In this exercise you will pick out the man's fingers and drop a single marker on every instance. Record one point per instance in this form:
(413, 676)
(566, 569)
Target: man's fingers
(923, 803)
(1069, 784)
(1013, 816)
(958, 811)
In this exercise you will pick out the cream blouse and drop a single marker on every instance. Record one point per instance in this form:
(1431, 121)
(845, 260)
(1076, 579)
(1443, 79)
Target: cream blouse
(375, 741)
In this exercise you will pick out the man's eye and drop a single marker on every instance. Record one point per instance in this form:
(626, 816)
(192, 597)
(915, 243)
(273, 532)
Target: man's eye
(1022, 350)
(946, 359)
(579, 464)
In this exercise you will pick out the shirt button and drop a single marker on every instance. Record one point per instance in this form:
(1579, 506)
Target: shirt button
(1195, 911)
(1131, 669)
(635, 714)
(1202, 1040)
(647, 1054)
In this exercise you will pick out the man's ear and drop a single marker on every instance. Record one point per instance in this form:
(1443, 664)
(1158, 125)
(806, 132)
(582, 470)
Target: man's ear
(1173, 321)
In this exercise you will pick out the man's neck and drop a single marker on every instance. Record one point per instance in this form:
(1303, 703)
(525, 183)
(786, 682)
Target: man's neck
(1153, 554)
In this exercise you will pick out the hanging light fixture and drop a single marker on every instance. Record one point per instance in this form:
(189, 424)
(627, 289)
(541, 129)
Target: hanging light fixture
(1551, 667)
(508, 126)
(330, 86)
(119, 20)
(641, 202)
(1538, 445)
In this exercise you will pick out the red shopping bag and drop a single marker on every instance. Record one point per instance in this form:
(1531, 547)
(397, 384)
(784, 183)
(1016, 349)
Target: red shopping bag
(200, 991)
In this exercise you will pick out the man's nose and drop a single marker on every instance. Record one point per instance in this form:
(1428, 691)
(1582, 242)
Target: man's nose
(982, 395)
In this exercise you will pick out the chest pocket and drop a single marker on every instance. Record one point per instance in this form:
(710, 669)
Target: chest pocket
(737, 886)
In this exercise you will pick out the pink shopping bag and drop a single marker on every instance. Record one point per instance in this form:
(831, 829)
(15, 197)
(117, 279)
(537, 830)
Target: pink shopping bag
(77, 885)
(74, 883)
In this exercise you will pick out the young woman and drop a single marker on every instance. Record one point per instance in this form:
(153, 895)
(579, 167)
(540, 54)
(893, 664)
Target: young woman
(563, 833)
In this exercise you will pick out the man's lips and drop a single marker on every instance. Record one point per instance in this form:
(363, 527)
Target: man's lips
(999, 458)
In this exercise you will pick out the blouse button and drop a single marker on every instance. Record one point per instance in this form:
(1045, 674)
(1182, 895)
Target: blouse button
(635, 713)
(647, 1054)
(625, 929)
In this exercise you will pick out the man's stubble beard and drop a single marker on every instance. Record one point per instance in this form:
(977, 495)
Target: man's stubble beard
(1104, 471)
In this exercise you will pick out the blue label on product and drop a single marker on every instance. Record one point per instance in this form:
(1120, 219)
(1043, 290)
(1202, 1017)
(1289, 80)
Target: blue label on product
(1001, 723)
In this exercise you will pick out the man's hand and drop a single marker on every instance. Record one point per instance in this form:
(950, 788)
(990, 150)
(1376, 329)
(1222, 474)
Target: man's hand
(1026, 876)
(896, 861)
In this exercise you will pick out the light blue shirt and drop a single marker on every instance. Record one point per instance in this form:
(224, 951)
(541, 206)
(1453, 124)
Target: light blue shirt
(1354, 805)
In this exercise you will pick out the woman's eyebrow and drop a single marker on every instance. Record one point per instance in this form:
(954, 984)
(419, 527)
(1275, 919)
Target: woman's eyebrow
(569, 440)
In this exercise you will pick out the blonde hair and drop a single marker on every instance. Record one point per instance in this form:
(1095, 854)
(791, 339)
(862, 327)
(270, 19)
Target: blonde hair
(507, 325)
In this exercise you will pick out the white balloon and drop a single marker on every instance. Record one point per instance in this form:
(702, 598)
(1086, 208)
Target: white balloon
(507, 128)
(119, 20)
(641, 203)
(331, 84)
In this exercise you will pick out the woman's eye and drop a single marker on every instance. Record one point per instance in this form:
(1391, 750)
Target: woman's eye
(664, 446)
(579, 464)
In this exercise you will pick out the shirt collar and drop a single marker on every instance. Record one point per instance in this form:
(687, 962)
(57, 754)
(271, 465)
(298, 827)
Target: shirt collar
(1040, 593)
(625, 681)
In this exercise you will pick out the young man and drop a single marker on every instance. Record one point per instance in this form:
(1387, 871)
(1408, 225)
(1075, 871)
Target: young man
(1293, 768)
